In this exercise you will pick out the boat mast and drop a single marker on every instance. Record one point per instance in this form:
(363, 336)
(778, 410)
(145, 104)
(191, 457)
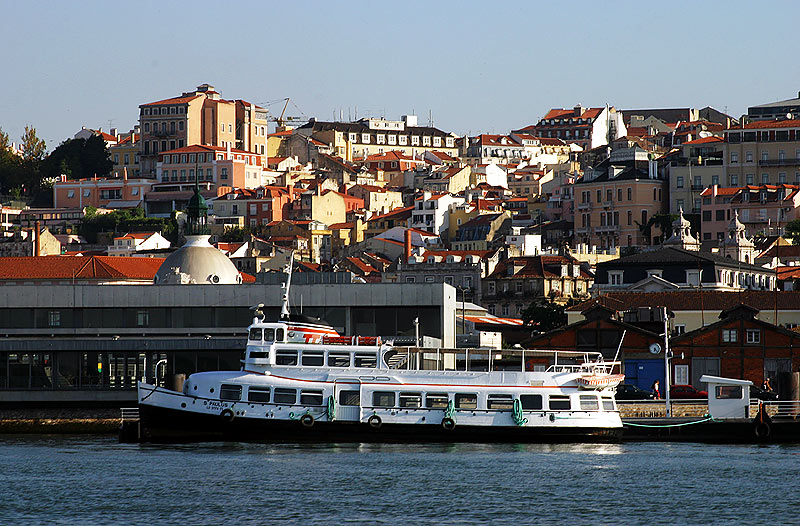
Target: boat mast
(285, 286)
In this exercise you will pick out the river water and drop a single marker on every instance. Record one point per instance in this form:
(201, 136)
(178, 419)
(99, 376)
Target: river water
(95, 480)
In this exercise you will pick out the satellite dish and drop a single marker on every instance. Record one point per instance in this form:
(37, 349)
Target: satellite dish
(655, 348)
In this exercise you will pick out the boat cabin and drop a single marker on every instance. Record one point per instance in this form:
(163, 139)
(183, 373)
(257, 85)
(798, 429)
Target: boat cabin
(727, 397)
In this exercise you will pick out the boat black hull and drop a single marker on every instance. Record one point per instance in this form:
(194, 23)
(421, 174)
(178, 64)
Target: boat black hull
(720, 432)
(169, 426)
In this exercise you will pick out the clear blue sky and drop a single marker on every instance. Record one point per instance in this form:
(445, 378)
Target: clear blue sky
(477, 66)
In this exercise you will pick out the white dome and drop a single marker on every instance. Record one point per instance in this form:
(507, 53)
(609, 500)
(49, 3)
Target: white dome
(197, 262)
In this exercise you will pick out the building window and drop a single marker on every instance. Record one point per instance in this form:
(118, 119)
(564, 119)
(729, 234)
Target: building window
(734, 180)
(615, 278)
(223, 173)
(730, 336)
(714, 180)
(54, 318)
(734, 157)
(679, 181)
(748, 157)
(753, 336)
(142, 318)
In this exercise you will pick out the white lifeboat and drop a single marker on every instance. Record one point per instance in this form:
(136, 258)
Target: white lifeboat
(600, 381)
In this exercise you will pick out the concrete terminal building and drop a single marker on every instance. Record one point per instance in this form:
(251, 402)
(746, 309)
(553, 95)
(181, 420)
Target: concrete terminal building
(80, 342)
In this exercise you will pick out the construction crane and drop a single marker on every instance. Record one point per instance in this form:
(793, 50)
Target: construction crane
(283, 119)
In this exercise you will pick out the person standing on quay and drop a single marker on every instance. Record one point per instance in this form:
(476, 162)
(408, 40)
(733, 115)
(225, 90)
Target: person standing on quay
(656, 392)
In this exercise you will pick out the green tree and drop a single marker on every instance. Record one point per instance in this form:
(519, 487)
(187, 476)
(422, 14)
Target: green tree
(662, 221)
(235, 234)
(28, 175)
(10, 167)
(793, 231)
(544, 315)
(79, 159)
(33, 148)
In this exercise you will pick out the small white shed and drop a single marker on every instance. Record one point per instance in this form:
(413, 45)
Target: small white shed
(727, 397)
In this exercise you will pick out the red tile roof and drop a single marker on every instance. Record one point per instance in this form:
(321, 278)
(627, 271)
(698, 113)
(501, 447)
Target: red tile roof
(760, 125)
(174, 100)
(560, 113)
(706, 140)
(764, 300)
(81, 268)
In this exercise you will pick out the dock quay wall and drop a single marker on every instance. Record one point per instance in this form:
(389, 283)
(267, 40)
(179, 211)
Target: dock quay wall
(60, 420)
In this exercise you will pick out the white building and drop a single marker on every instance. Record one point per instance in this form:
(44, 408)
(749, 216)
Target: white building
(130, 244)
(431, 213)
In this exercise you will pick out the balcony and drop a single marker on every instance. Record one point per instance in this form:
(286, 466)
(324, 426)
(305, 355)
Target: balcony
(584, 206)
(779, 162)
(162, 133)
(607, 229)
(698, 187)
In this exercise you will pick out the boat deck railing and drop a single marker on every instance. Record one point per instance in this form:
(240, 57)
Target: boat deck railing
(483, 360)
(776, 409)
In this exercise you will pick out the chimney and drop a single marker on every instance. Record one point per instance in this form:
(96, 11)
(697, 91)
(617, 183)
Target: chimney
(37, 239)
(578, 110)
(407, 244)
(114, 133)
(124, 173)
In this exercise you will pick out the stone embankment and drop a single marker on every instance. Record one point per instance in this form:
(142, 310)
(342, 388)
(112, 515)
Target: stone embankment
(63, 421)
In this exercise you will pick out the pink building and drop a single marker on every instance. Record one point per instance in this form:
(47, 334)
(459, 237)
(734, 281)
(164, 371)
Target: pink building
(762, 209)
(100, 192)
(214, 164)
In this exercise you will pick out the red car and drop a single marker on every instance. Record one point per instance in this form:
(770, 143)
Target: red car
(678, 392)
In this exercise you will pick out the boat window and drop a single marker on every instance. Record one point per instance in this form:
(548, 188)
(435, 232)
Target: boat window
(383, 399)
(608, 404)
(436, 400)
(284, 396)
(589, 403)
(313, 358)
(499, 401)
(559, 403)
(531, 402)
(255, 335)
(728, 392)
(230, 392)
(269, 335)
(338, 359)
(286, 357)
(410, 400)
(366, 359)
(259, 354)
(310, 397)
(466, 401)
(279, 335)
(349, 398)
(258, 394)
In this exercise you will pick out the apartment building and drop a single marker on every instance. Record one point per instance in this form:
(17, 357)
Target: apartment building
(431, 213)
(222, 167)
(763, 209)
(103, 192)
(617, 196)
(585, 127)
(699, 165)
(365, 137)
(199, 117)
(763, 153)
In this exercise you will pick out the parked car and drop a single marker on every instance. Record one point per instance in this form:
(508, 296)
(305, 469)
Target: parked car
(761, 394)
(686, 392)
(631, 392)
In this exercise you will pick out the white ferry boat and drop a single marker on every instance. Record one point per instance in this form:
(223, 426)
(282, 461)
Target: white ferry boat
(302, 381)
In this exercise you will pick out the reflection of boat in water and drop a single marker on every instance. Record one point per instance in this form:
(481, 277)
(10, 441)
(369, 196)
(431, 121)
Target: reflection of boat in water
(300, 380)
